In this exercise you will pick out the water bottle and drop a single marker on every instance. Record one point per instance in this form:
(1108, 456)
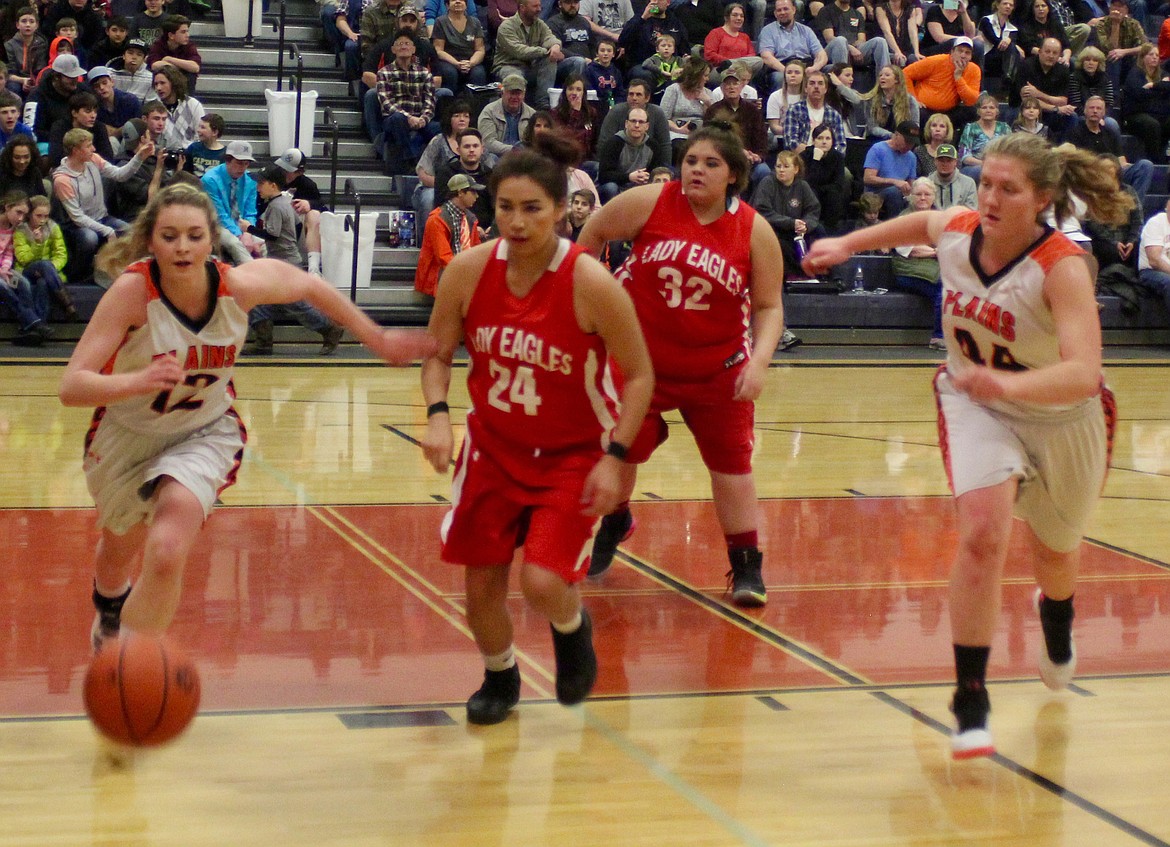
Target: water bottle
(406, 229)
(858, 281)
(799, 248)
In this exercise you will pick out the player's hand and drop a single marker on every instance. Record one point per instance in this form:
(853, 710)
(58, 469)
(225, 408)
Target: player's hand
(403, 346)
(980, 383)
(439, 443)
(162, 374)
(824, 254)
(749, 384)
(603, 486)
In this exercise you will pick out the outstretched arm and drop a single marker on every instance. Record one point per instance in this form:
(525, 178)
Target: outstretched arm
(918, 228)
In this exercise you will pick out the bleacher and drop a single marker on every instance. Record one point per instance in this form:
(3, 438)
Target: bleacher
(232, 84)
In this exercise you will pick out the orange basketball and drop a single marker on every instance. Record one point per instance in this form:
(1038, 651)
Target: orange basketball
(141, 690)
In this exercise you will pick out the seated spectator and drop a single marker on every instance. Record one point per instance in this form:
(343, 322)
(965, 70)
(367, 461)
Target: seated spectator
(20, 167)
(88, 21)
(784, 40)
(1043, 76)
(1029, 119)
(1116, 244)
(976, 136)
(900, 22)
(790, 206)
(444, 147)
(627, 158)
(638, 97)
(207, 150)
(41, 254)
(607, 17)
(729, 43)
(52, 94)
(915, 267)
(380, 54)
(148, 22)
(888, 103)
(746, 118)
(10, 122)
(114, 107)
(77, 185)
(342, 31)
(951, 188)
(869, 210)
(824, 171)
(1119, 37)
(581, 206)
(114, 44)
(1145, 104)
(663, 67)
(1093, 134)
(408, 108)
(184, 112)
(640, 36)
(946, 22)
(1038, 24)
(576, 36)
(459, 45)
(28, 302)
(1089, 77)
(844, 100)
(938, 131)
(27, 52)
(133, 76)
(843, 29)
(778, 102)
(307, 202)
(83, 115)
(686, 101)
(1154, 255)
(174, 49)
(700, 17)
(604, 77)
(947, 82)
(1002, 52)
(503, 122)
(810, 112)
(526, 47)
(234, 196)
(469, 163)
(380, 21)
(450, 229)
(577, 117)
(891, 167)
(435, 9)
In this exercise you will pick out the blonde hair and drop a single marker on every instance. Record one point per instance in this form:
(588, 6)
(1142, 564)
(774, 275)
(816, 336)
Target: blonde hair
(1064, 169)
(74, 138)
(1090, 53)
(117, 254)
(877, 102)
(37, 201)
(1142, 52)
(945, 120)
(793, 158)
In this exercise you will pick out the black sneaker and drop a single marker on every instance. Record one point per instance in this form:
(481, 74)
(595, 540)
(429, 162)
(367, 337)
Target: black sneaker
(330, 339)
(971, 738)
(615, 528)
(745, 580)
(108, 620)
(497, 696)
(576, 662)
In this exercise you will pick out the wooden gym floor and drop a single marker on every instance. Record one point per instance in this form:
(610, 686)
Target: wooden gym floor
(335, 660)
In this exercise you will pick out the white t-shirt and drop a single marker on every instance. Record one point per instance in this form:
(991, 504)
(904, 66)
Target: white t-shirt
(748, 93)
(776, 106)
(1156, 233)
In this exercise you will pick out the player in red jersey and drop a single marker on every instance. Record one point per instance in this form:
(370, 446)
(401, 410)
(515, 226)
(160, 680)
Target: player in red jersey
(704, 272)
(541, 458)
(157, 360)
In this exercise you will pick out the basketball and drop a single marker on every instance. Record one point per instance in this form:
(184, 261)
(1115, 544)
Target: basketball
(141, 690)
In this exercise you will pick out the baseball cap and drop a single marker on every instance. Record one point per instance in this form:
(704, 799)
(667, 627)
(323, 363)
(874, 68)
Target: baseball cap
(462, 182)
(67, 65)
(98, 72)
(946, 151)
(515, 82)
(961, 41)
(291, 160)
(738, 71)
(269, 174)
(132, 130)
(240, 150)
(910, 131)
(407, 10)
(135, 44)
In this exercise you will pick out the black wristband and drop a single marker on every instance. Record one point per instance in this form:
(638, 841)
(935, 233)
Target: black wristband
(618, 450)
(437, 408)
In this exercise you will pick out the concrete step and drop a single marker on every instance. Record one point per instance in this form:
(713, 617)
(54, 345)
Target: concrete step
(253, 119)
(206, 31)
(231, 84)
(229, 58)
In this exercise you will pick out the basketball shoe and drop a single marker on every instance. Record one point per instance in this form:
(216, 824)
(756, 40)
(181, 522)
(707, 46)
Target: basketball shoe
(498, 695)
(108, 620)
(1055, 675)
(615, 528)
(971, 738)
(576, 662)
(745, 580)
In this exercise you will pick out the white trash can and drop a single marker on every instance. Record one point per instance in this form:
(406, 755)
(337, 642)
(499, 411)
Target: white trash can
(235, 18)
(282, 115)
(337, 249)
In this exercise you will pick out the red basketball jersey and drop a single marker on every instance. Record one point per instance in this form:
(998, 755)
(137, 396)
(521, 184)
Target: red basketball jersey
(540, 389)
(691, 286)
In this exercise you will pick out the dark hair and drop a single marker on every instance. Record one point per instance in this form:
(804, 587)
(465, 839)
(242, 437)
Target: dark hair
(26, 10)
(119, 20)
(562, 109)
(177, 79)
(215, 122)
(82, 100)
(63, 23)
(729, 146)
(458, 106)
(173, 23)
(819, 128)
(544, 160)
(692, 73)
(152, 106)
(530, 130)
(641, 82)
(7, 98)
(20, 140)
(272, 174)
(469, 131)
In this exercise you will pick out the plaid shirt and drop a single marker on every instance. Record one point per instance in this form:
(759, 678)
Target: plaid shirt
(408, 91)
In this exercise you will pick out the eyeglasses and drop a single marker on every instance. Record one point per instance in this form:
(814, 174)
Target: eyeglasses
(636, 121)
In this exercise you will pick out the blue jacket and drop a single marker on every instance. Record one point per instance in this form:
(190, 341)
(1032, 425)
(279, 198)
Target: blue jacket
(20, 129)
(219, 186)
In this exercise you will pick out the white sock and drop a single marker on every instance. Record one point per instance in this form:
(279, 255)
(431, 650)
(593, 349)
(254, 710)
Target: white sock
(314, 263)
(572, 626)
(500, 661)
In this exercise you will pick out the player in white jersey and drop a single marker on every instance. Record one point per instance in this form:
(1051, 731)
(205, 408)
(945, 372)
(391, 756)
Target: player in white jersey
(156, 360)
(1025, 421)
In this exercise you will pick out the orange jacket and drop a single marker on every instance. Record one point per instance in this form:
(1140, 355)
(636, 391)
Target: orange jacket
(932, 83)
(436, 253)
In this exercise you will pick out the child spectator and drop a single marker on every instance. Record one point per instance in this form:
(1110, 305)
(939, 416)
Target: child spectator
(39, 245)
(58, 47)
(20, 166)
(869, 207)
(207, 151)
(278, 227)
(29, 304)
(113, 45)
(83, 112)
(114, 107)
(67, 31)
(661, 175)
(1029, 118)
(790, 206)
(150, 21)
(10, 123)
(663, 66)
(132, 75)
(580, 208)
(604, 77)
(27, 52)
(174, 49)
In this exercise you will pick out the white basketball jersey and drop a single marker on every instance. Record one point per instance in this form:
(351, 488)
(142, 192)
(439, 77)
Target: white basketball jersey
(1000, 320)
(206, 351)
